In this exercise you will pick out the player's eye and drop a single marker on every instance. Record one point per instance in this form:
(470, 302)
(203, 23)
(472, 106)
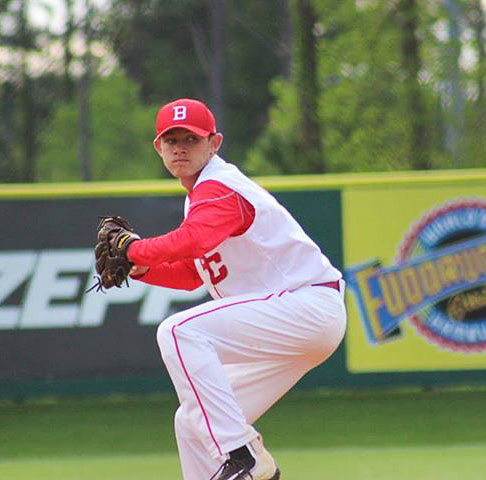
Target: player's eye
(169, 141)
(192, 139)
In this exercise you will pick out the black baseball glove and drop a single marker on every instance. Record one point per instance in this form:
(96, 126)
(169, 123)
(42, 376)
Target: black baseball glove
(114, 235)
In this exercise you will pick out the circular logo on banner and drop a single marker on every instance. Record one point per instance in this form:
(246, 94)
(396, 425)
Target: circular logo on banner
(457, 321)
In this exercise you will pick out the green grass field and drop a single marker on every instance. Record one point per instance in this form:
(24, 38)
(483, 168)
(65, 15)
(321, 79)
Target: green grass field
(415, 435)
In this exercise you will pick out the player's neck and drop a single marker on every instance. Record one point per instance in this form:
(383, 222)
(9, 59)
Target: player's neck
(188, 182)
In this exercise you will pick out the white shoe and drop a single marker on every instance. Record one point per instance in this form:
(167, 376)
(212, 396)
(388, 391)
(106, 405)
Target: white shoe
(260, 466)
(265, 467)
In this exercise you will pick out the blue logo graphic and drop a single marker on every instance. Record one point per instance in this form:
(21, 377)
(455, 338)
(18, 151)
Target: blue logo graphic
(438, 282)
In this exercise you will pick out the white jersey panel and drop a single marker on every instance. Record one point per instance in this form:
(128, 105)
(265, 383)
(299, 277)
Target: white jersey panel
(273, 254)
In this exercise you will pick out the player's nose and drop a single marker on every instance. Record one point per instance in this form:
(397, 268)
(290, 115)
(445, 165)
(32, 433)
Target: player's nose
(179, 147)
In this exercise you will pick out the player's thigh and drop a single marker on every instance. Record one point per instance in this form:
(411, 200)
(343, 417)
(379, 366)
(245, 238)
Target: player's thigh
(305, 323)
(215, 319)
(261, 327)
(317, 319)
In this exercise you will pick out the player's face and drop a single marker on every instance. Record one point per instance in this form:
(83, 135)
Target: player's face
(185, 154)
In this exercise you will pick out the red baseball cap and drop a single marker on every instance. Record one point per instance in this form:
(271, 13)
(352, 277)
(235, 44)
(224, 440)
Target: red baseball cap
(185, 113)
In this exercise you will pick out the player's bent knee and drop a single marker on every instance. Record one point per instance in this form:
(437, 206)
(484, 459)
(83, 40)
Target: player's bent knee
(181, 422)
(168, 331)
(165, 339)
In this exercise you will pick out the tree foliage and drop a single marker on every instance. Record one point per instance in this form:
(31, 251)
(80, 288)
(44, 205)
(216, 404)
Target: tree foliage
(384, 91)
(168, 49)
(299, 86)
(122, 132)
(26, 99)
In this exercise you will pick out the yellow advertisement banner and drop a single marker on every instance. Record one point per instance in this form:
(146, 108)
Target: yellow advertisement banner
(415, 261)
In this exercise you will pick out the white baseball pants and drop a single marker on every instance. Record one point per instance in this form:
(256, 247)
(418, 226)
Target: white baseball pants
(231, 359)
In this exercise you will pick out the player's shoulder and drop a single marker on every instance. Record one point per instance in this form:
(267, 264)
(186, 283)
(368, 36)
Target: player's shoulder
(209, 189)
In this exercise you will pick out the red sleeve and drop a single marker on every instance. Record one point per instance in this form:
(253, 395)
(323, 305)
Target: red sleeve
(181, 275)
(216, 212)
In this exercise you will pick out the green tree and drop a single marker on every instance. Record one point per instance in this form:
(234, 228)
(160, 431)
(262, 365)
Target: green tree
(171, 49)
(122, 134)
(309, 141)
(476, 112)
(411, 64)
(26, 100)
(373, 101)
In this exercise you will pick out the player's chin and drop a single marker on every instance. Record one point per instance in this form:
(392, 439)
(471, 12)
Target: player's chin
(176, 171)
(180, 166)
(183, 172)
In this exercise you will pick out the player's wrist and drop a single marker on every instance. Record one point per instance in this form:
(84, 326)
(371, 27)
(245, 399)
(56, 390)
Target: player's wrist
(129, 244)
(122, 242)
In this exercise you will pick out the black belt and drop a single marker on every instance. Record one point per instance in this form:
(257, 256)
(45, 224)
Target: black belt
(334, 285)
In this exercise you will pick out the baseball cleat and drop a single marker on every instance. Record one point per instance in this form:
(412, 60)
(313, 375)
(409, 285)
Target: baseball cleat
(258, 465)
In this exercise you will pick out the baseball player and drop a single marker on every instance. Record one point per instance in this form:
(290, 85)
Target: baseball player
(277, 308)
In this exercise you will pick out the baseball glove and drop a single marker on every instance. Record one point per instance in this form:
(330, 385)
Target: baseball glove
(114, 235)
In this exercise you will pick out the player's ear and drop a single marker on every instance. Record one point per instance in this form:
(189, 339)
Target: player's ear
(216, 141)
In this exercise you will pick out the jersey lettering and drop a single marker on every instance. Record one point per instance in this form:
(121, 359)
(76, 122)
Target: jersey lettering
(217, 273)
(180, 112)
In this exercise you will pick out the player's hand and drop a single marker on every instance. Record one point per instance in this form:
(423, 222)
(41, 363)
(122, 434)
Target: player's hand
(114, 236)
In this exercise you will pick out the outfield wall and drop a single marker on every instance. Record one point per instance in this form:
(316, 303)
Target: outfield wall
(412, 247)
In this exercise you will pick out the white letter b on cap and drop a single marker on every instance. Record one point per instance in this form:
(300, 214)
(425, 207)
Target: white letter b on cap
(180, 112)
